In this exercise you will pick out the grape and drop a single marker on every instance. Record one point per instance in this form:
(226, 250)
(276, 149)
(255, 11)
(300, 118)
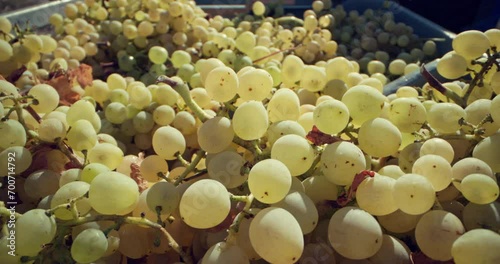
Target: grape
(200, 96)
(379, 137)
(313, 78)
(444, 117)
(281, 128)
(6, 51)
(476, 112)
(269, 181)
(135, 241)
(151, 166)
(5, 25)
(223, 252)
(176, 142)
(374, 195)
(41, 183)
(435, 233)
(341, 161)
(295, 152)
(354, 233)
(284, 105)
(276, 241)
(221, 84)
(393, 171)
(363, 102)
(398, 221)
(471, 44)
(452, 66)
(205, 204)
(438, 146)
(22, 160)
(397, 67)
(245, 42)
(436, 169)
(225, 167)
(408, 114)
(468, 166)
(91, 170)
(82, 135)
(33, 229)
(250, 120)
(331, 110)
(302, 208)
(70, 175)
(338, 68)
(184, 122)
(156, 54)
(291, 70)
(479, 188)
(258, 8)
(478, 246)
(163, 195)
(13, 134)
(319, 188)
(81, 109)
(113, 193)
(413, 194)
(163, 115)
(116, 112)
(487, 150)
(254, 85)
(393, 250)
(107, 154)
(64, 195)
(216, 134)
(495, 108)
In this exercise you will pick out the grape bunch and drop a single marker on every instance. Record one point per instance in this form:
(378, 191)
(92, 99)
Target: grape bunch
(143, 130)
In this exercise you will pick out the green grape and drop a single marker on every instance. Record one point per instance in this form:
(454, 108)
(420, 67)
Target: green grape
(205, 204)
(184, 122)
(479, 188)
(82, 135)
(185, 72)
(284, 105)
(139, 97)
(331, 110)
(398, 221)
(70, 175)
(51, 129)
(158, 55)
(313, 78)
(126, 63)
(19, 156)
(225, 167)
(221, 84)
(175, 139)
(89, 246)
(488, 150)
(363, 102)
(408, 114)
(113, 193)
(216, 134)
(41, 183)
(13, 134)
(245, 42)
(250, 120)
(34, 229)
(83, 109)
(106, 154)
(374, 195)
(471, 44)
(163, 115)
(281, 128)
(302, 208)
(435, 233)
(295, 152)
(444, 117)
(435, 168)
(163, 197)
(116, 81)
(476, 246)
(67, 192)
(119, 96)
(179, 58)
(6, 51)
(452, 66)
(276, 236)
(341, 161)
(258, 8)
(166, 95)
(143, 122)
(151, 166)
(116, 112)
(269, 181)
(354, 233)
(414, 194)
(223, 252)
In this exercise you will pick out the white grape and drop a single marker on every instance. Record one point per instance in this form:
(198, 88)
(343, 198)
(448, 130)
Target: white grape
(379, 137)
(341, 161)
(374, 195)
(330, 110)
(476, 246)
(89, 246)
(113, 193)
(354, 233)
(295, 152)
(413, 194)
(250, 120)
(479, 188)
(276, 236)
(269, 181)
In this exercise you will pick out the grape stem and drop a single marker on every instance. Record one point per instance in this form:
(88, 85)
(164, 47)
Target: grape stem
(434, 83)
(66, 150)
(183, 90)
(274, 53)
(199, 155)
(486, 66)
(130, 220)
(234, 228)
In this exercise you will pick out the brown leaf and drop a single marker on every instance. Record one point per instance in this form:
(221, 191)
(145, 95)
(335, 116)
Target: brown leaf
(319, 138)
(16, 74)
(64, 83)
(344, 199)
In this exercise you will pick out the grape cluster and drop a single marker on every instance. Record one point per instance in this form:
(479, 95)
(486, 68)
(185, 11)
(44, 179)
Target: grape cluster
(146, 130)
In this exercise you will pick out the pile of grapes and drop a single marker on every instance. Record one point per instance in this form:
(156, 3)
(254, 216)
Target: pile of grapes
(145, 131)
